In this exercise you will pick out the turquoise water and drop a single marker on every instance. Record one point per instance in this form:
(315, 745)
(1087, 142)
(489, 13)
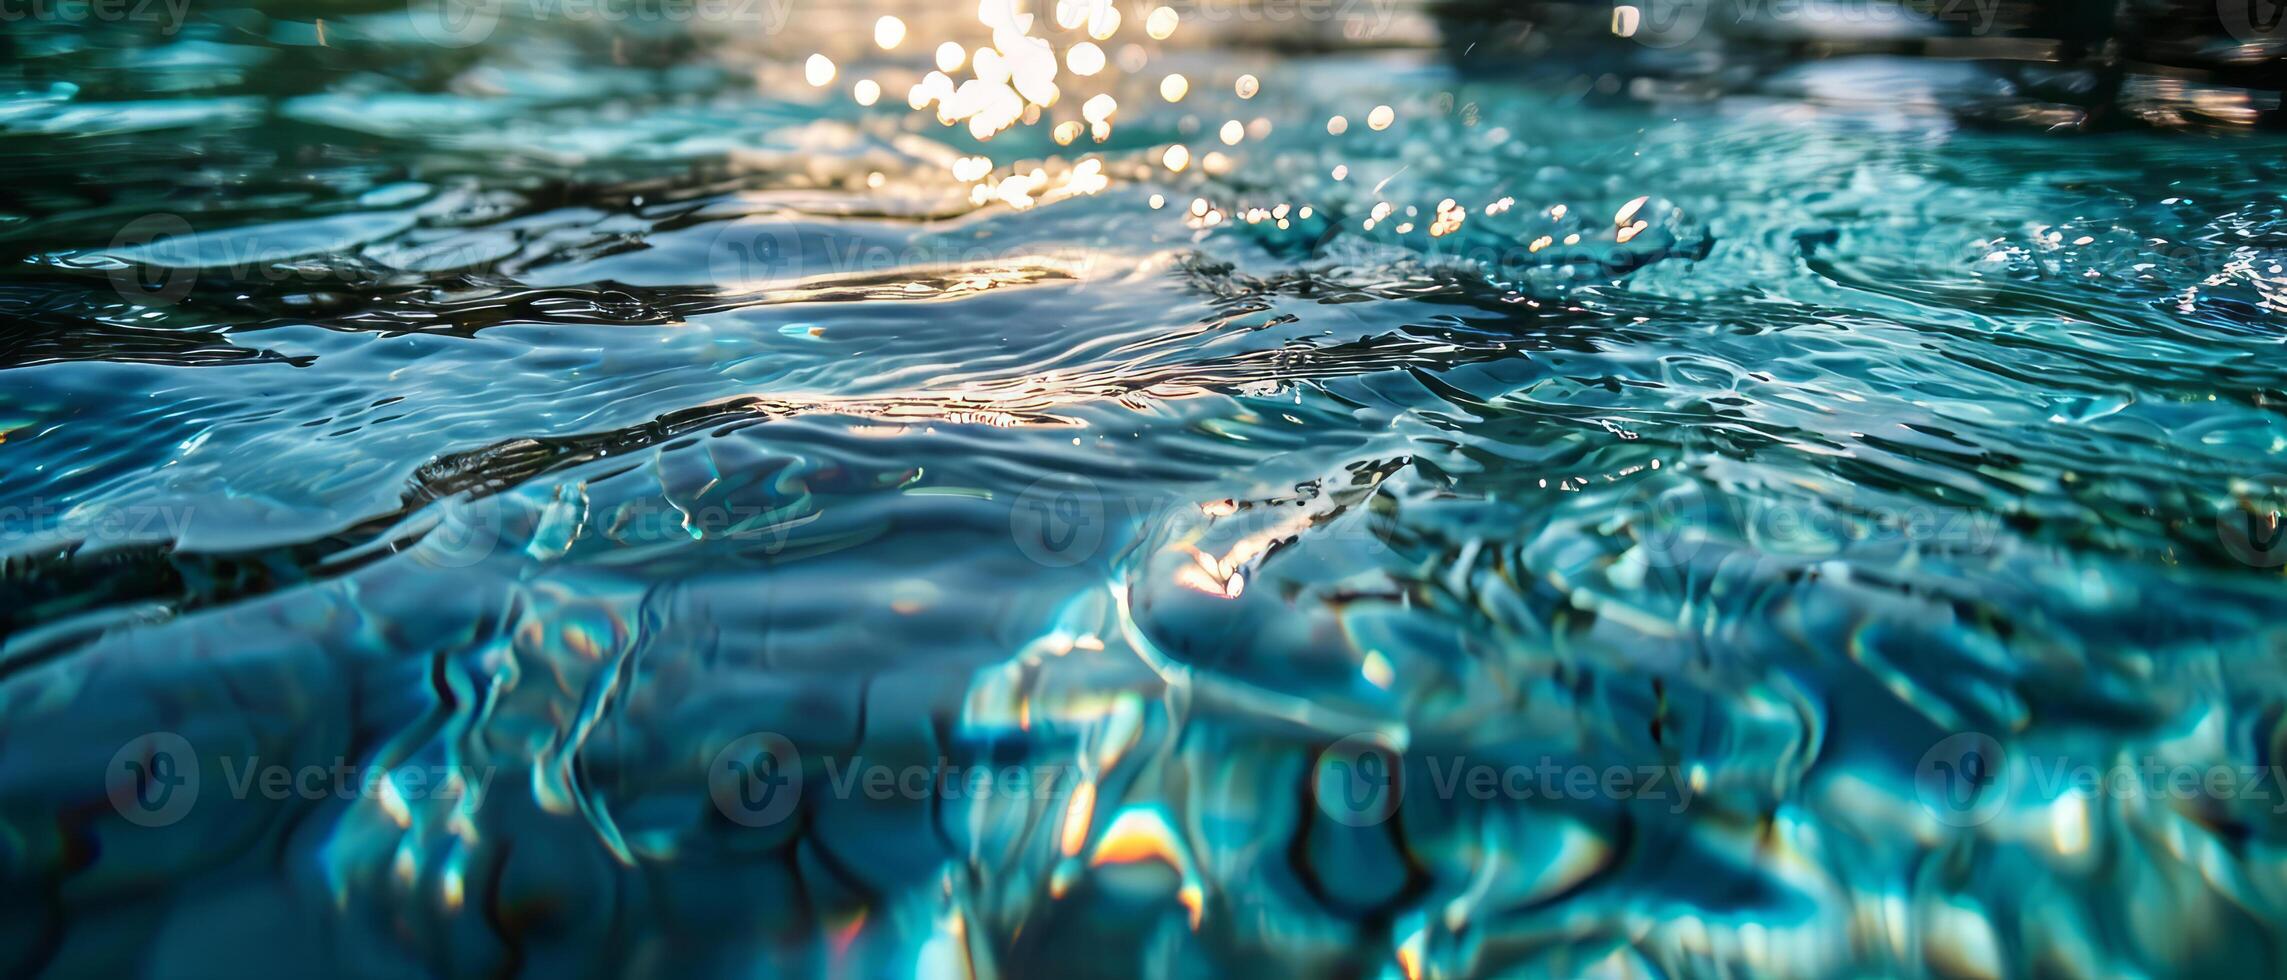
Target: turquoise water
(589, 502)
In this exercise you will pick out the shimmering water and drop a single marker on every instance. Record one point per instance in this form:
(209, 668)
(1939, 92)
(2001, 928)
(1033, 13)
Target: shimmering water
(589, 502)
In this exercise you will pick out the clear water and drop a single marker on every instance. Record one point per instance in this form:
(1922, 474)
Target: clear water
(574, 430)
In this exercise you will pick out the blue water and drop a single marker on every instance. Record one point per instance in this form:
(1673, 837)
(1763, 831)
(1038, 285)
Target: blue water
(591, 503)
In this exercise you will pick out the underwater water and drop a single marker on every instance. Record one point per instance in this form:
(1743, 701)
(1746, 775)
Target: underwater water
(580, 499)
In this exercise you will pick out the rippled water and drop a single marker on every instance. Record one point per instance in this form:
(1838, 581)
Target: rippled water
(646, 449)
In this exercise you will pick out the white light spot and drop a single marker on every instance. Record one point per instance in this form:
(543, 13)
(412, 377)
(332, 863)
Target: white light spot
(1161, 23)
(889, 32)
(1084, 58)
